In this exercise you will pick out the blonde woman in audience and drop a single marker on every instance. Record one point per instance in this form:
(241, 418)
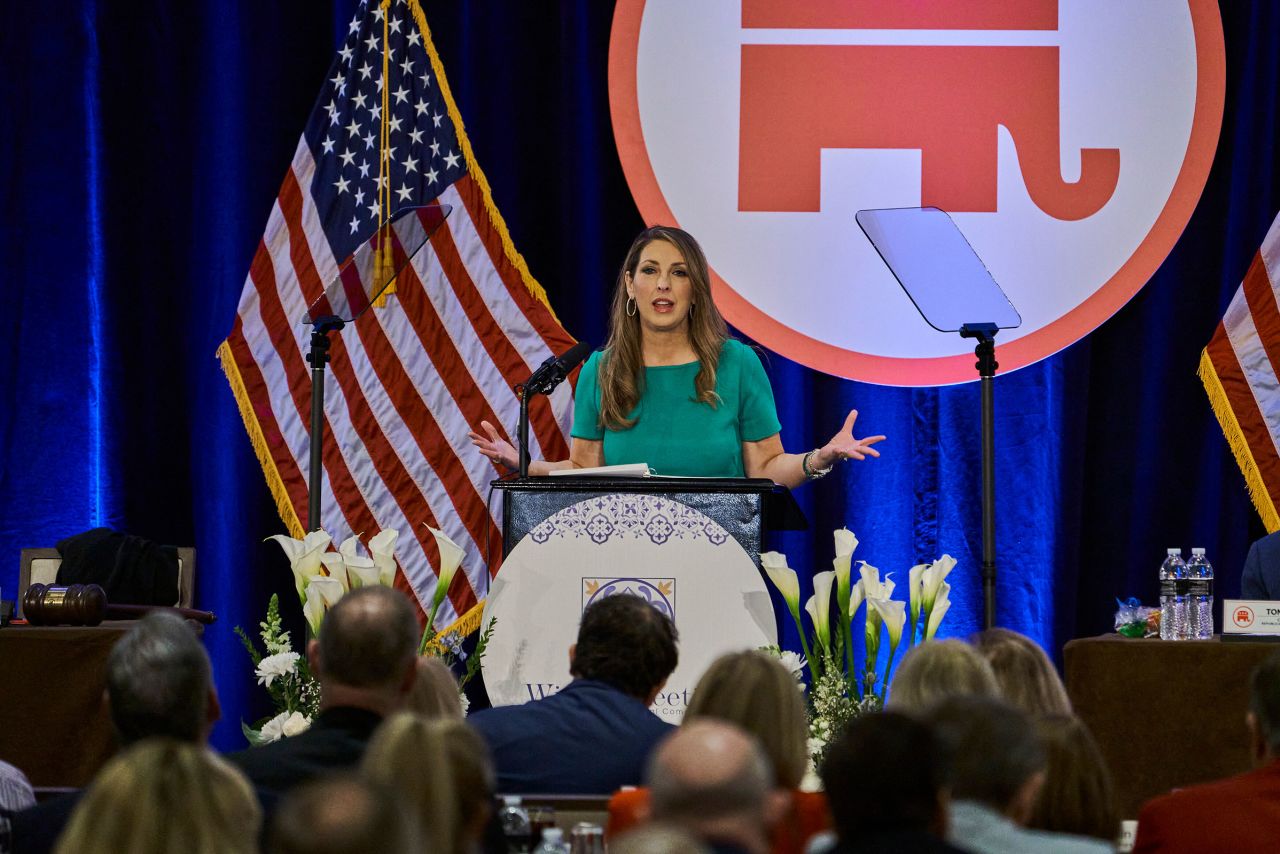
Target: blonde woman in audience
(936, 670)
(1077, 796)
(163, 796)
(761, 697)
(435, 691)
(1027, 677)
(441, 770)
(756, 692)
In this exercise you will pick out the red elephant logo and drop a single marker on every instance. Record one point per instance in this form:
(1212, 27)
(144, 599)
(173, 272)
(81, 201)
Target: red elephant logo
(946, 101)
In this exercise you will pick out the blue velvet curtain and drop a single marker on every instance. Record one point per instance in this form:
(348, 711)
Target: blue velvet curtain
(142, 145)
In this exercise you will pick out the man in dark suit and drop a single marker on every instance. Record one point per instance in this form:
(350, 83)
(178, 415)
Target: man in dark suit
(1261, 576)
(159, 683)
(595, 734)
(886, 781)
(365, 663)
(1239, 814)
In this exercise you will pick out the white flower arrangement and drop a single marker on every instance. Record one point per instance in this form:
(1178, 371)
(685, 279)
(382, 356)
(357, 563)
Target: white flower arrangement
(321, 578)
(836, 692)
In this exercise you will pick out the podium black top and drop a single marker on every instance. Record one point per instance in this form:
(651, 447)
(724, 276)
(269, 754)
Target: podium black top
(781, 511)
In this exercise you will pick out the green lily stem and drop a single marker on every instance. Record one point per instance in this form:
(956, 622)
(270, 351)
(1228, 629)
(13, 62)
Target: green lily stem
(888, 668)
(430, 631)
(804, 644)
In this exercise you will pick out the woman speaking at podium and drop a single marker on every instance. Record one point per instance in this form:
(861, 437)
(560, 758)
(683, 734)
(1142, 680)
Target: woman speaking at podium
(672, 389)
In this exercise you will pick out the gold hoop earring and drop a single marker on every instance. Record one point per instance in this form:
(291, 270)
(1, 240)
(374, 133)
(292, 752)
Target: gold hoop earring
(631, 307)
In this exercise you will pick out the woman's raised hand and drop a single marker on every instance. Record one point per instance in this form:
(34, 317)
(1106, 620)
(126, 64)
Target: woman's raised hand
(844, 446)
(494, 446)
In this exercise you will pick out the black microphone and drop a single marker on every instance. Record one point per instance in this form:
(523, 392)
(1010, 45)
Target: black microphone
(553, 371)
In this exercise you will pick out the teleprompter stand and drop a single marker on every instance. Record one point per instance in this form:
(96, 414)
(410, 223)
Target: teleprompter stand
(951, 288)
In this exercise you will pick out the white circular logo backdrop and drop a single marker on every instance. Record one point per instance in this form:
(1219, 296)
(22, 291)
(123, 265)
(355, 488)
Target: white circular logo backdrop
(675, 557)
(1069, 141)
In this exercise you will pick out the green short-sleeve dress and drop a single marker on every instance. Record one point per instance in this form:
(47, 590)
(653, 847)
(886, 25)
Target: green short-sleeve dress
(674, 433)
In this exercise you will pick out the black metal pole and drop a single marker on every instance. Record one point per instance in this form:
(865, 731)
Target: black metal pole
(987, 365)
(988, 502)
(316, 358)
(522, 430)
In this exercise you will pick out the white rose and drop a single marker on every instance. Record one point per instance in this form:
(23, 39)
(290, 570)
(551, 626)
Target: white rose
(280, 664)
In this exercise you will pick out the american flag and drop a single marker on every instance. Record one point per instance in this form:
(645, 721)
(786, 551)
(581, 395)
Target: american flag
(407, 380)
(1240, 369)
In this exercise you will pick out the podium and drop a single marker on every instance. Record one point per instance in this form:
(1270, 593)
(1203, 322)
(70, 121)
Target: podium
(688, 546)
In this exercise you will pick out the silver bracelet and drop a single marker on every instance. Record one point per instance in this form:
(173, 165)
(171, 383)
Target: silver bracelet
(813, 474)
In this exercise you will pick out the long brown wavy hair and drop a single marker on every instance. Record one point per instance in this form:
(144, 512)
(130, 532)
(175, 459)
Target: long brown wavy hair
(622, 364)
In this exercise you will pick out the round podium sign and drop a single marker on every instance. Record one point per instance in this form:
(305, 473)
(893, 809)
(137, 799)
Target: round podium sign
(674, 557)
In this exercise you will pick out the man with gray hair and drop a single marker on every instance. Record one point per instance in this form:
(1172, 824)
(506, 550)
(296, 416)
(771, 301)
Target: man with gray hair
(997, 766)
(1240, 813)
(159, 683)
(713, 780)
(364, 660)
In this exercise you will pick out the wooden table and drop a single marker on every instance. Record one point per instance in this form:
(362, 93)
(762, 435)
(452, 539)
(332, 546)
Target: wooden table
(54, 721)
(1166, 714)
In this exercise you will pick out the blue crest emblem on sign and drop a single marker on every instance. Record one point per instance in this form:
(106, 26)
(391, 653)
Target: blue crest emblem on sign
(658, 592)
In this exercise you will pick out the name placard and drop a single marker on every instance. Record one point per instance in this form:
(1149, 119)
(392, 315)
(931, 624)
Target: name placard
(1250, 617)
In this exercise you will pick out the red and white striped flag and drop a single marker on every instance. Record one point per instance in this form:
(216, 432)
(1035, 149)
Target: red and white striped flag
(407, 380)
(1240, 369)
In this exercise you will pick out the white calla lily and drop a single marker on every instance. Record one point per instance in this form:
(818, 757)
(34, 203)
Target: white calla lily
(855, 599)
(941, 604)
(304, 556)
(819, 607)
(450, 559)
(894, 614)
(932, 579)
(322, 593)
(336, 568)
(383, 549)
(361, 571)
(915, 587)
(783, 577)
(788, 583)
(845, 543)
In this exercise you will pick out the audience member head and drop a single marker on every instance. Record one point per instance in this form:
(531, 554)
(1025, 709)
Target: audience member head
(1077, 796)
(655, 837)
(886, 772)
(365, 654)
(625, 642)
(435, 691)
(1264, 709)
(994, 754)
(933, 671)
(756, 692)
(441, 770)
(165, 796)
(1026, 676)
(343, 815)
(159, 682)
(714, 780)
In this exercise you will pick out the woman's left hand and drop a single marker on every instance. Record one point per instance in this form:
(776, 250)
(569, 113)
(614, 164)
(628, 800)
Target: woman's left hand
(844, 446)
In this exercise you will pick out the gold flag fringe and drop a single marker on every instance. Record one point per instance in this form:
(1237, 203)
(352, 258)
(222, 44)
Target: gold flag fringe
(1258, 491)
(274, 482)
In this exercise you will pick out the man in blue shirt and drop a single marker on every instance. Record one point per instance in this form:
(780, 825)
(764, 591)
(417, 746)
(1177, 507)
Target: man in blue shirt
(596, 734)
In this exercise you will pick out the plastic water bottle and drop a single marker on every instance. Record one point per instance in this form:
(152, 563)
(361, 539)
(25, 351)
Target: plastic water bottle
(552, 842)
(515, 825)
(1174, 616)
(1200, 590)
